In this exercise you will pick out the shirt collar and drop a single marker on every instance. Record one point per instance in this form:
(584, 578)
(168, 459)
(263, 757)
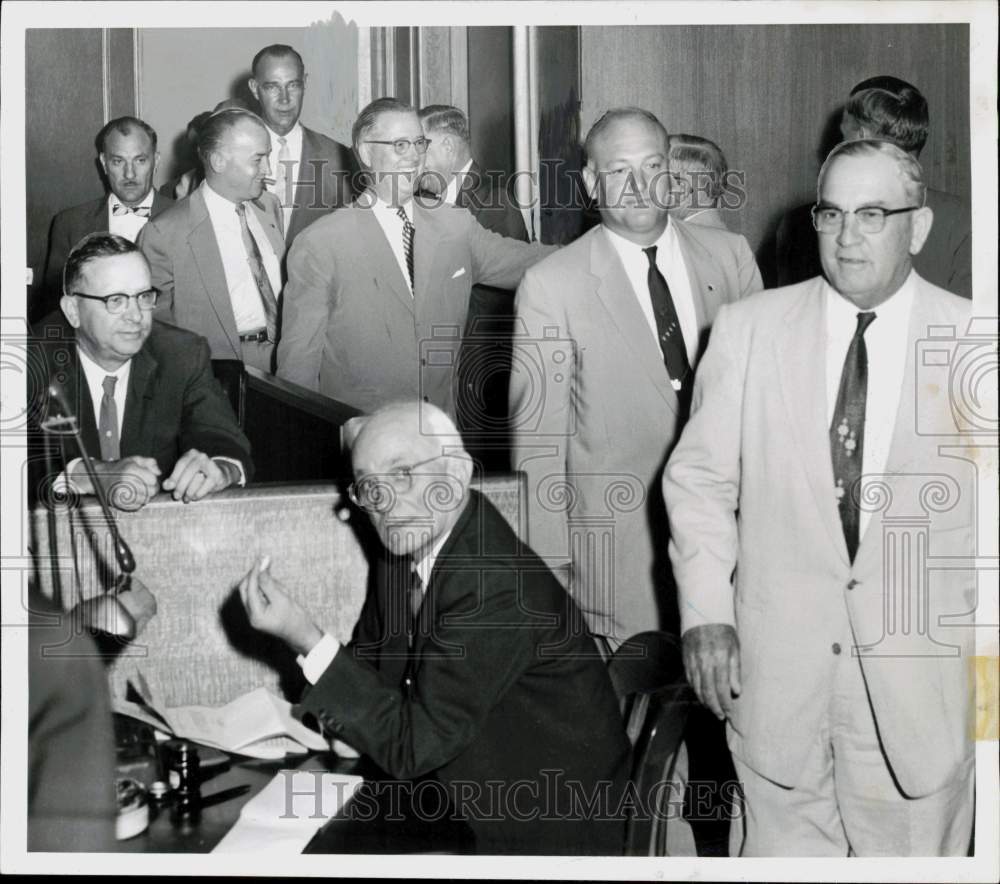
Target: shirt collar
(370, 199)
(451, 192)
(293, 139)
(147, 200)
(893, 312)
(425, 565)
(626, 247)
(216, 203)
(95, 374)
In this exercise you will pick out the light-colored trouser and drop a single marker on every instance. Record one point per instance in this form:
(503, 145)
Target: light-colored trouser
(846, 802)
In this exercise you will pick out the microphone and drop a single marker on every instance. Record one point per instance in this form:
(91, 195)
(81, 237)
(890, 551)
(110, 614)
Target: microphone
(125, 608)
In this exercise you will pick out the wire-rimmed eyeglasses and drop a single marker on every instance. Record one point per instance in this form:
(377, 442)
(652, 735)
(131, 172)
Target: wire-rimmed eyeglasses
(376, 493)
(118, 302)
(871, 219)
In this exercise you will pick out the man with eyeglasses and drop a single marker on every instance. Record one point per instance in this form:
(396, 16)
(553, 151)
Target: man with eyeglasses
(126, 148)
(216, 255)
(150, 412)
(467, 664)
(815, 466)
(378, 293)
(310, 172)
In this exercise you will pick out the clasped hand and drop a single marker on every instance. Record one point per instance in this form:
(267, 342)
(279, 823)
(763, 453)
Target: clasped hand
(270, 609)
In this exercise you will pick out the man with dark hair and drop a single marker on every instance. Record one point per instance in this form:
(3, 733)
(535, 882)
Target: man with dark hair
(800, 501)
(146, 402)
(378, 293)
(310, 172)
(467, 665)
(894, 110)
(484, 367)
(216, 255)
(126, 148)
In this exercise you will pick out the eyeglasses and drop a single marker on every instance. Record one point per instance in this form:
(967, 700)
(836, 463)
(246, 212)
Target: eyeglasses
(377, 493)
(273, 90)
(871, 219)
(402, 145)
(118, 302)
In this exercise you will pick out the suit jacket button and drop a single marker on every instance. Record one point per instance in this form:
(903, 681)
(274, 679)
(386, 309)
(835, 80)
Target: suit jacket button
(852, 583)
(836, 648)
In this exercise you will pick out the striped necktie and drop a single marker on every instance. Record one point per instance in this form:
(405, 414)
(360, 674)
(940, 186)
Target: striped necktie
(407, 242)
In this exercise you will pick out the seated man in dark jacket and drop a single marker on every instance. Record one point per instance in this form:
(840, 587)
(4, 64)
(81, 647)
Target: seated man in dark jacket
(469, 662)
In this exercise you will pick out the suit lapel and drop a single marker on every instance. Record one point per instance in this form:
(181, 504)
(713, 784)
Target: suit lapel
(78, 394)
(801, 370)
(614, 291)
(707, 285)
(139, 390)
(379, 256)
(271, 221)
(205, 249)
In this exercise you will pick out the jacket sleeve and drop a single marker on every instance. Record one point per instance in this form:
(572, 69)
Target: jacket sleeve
(497, 260)
(701, 483)
(155, 245)
(305, 312)
(749, 273)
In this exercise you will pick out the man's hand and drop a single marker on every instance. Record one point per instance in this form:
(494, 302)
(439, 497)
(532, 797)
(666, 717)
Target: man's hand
(196, 475)
(712, 661)
(271, 610)
(129, 482)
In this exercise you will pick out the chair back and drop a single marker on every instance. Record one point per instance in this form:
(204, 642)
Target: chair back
(647, 672)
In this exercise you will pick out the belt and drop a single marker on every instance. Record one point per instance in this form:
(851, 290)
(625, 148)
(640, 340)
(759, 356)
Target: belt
(258, 336)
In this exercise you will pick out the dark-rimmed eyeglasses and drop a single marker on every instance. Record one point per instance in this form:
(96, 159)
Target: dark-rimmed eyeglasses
(402, 145)
(871, 219)
(376, 493)
(118, 302)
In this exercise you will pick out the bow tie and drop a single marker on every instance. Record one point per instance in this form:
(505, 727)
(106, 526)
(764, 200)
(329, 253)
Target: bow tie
(117, 210)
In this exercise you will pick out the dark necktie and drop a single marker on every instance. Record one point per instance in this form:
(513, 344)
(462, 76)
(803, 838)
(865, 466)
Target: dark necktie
(668, 330)
(407, 242)
(118, 210)
(847, 432)
(107, 425)
(414, 599)
(259, 275)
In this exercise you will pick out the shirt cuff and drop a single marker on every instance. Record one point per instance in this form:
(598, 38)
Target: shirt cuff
(63, 484)
(314, 663)
(239, 466)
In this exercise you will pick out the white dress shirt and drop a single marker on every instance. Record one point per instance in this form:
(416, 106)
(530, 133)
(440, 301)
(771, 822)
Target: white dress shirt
(129, 224)
(243, 292)
(286, 193)
(451, 191)
(670, 262)
(885, 341)
(314, 664)
(392, 226)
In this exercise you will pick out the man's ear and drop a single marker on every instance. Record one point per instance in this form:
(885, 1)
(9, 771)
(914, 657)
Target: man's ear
(364, 153)
(71, 310)
(216, 160)
(923, 220)
(103, 161)
(156, 161)
(254, 88)
(590, 181)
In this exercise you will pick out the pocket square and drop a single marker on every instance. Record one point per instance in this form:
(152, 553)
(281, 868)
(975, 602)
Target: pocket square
(458, 273)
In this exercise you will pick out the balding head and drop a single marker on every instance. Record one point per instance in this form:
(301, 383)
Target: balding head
(412, 475)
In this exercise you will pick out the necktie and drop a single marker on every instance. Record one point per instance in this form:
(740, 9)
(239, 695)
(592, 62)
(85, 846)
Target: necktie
(281, 173)
(118, 210)
(847, 432)
(259, 274)
(407, 242)
(415, 598)
(107, 425)
(668, 330)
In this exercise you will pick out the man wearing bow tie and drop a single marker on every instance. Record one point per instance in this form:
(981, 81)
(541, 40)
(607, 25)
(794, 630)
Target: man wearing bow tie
(127, 153)
(216, 254)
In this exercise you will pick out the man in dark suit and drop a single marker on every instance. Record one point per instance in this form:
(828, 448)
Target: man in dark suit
(143, 393)
(378, 292)
(127, 151)
(216, 254)
(451, 173)
(310, 171)
(891, 109)
(467, 663)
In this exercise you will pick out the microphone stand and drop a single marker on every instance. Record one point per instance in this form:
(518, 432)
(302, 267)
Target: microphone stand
(109, 612)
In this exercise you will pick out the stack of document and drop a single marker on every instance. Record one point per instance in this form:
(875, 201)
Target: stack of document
(288, 811)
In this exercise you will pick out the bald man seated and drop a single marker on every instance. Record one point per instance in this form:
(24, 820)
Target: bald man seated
(469, 663)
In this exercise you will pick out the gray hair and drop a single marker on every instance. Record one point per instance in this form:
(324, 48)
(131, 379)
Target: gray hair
(909, 170)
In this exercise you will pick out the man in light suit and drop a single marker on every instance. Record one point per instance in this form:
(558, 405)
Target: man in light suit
(216, 254)
(127, 152)
(595, 407)
(378, 293)
(812, 467)
(310, 171)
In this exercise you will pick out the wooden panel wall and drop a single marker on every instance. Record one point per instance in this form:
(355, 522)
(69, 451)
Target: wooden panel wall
(770, 96)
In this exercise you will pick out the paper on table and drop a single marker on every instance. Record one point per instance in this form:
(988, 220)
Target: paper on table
(288, 811)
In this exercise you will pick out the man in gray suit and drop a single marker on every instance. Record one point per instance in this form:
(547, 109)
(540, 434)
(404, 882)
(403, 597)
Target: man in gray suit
(216, 254)
(126, 148)
(310, 171)
(378, 292)
(611, 328)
